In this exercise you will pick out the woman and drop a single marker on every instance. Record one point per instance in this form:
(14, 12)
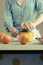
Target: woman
(23, 14)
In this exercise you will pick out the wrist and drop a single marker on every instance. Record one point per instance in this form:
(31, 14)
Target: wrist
(11, 28)
(33, 25)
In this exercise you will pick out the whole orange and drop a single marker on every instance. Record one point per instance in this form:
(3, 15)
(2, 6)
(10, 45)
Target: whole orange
(23, 39)
(4, 38)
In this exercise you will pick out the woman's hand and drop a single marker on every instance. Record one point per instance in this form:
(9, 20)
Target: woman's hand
(14, 31)
(23, 26)
(26, 25)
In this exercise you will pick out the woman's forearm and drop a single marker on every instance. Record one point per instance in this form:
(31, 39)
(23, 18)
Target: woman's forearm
(38, 20)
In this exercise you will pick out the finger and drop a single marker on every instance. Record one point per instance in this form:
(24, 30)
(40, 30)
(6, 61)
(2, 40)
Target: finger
(26, 25)
(22, 24)
(29, 25)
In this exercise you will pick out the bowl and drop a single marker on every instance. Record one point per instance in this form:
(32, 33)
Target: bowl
(29, 34)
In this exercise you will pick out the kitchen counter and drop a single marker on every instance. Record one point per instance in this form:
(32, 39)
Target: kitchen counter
(15, 45)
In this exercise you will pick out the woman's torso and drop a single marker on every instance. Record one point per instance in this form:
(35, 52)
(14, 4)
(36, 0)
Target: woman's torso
(25, 12)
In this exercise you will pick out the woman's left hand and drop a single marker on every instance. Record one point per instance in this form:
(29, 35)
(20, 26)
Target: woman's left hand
(27, 25)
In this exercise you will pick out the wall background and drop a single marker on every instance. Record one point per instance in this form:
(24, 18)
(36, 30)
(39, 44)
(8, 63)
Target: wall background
(2, 4)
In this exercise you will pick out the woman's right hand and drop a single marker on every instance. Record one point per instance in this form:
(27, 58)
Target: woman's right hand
(14, 31)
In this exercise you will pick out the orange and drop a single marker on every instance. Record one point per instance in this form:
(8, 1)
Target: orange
(4, 38)
(1, 34)
(29, 34)
(41, 36)
(23, 39)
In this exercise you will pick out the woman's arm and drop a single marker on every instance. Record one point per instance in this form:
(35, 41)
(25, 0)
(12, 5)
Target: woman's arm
(38, 20)
(8, 21)
(8, 16)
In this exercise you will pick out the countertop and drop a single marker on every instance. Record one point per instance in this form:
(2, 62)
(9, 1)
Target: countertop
(15, 45)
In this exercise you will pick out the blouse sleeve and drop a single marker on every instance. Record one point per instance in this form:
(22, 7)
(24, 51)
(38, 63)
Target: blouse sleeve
(7, 15)
(40, 6)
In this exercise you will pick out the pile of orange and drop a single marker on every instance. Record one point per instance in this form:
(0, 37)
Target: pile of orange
(5, 38)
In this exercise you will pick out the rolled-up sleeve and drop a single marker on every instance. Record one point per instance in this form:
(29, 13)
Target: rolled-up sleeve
(40, 6)
(7, 15)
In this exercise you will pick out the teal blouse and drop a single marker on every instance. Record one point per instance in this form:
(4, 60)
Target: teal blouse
(15, 14)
